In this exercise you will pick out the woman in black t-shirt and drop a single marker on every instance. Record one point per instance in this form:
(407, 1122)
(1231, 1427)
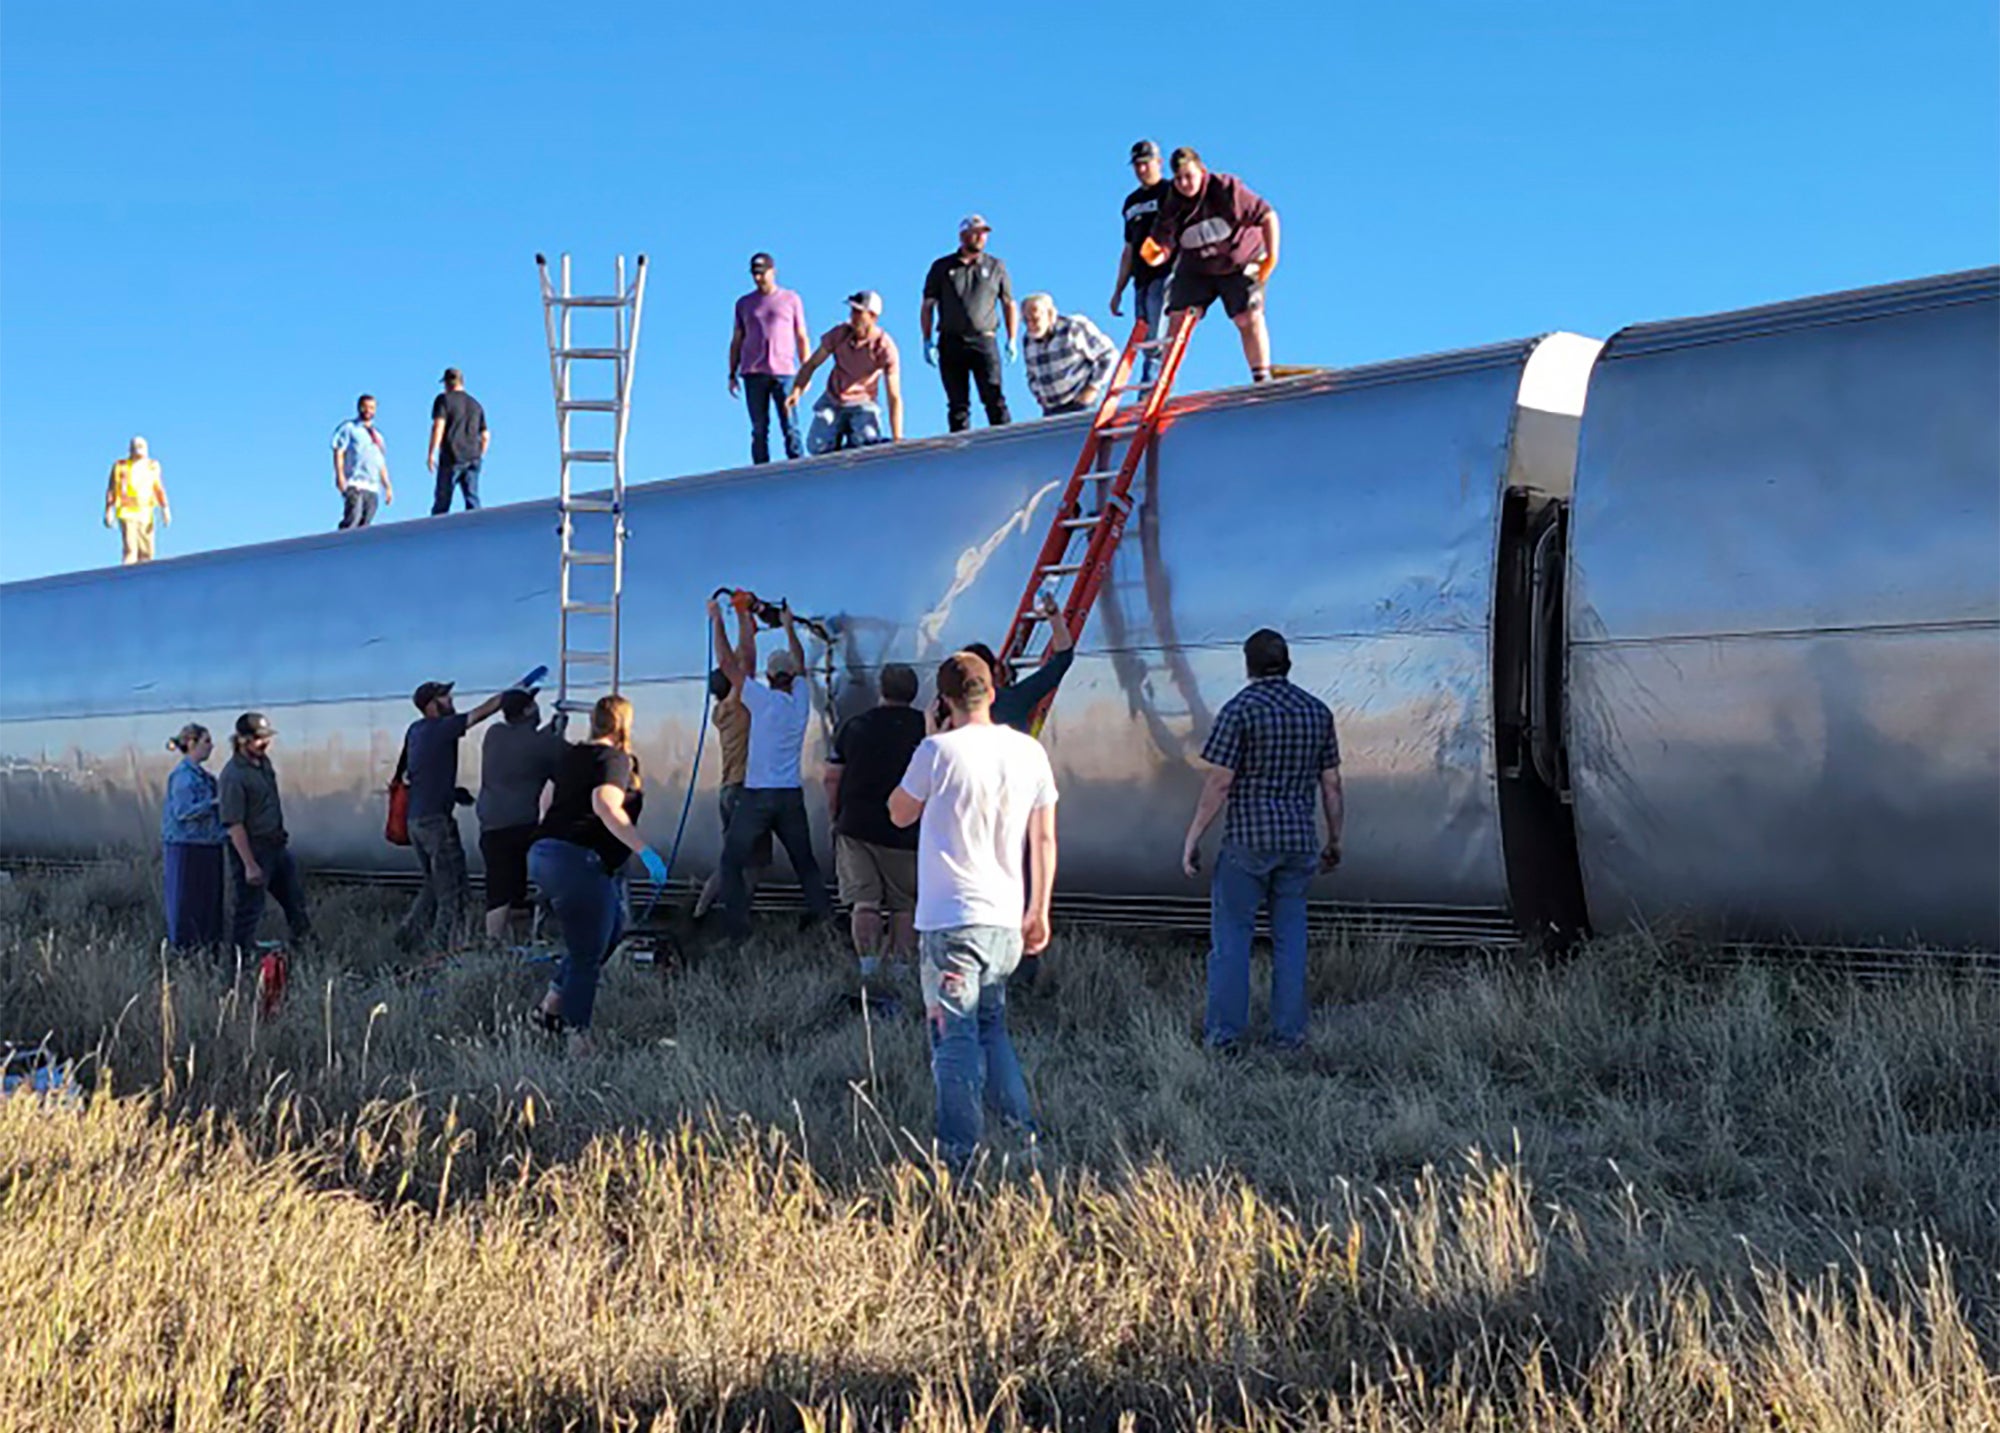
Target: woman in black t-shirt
(588, 832)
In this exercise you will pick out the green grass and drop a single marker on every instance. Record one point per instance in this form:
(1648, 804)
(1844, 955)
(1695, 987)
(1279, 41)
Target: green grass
(1630, 1189)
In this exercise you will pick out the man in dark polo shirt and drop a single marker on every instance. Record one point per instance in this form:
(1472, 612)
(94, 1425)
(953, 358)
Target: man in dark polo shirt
(458, 443)
(875, 859)
(1224, 239)
(1148, 280)
(430, 757)
(260, 856)
(965, 295)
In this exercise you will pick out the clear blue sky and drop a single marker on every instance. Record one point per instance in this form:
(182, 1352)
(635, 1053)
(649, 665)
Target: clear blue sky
(220, 223)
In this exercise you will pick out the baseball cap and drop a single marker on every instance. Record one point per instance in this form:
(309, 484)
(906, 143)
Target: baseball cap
(761, 260)
(429, 692)
(971, 222)
(452, 375)
(1145, 149)
(781, 664)
(867, 299)
(254, 725)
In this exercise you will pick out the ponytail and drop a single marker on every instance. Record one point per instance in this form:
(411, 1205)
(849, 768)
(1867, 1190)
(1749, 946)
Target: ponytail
(611, 722)
(185, 740)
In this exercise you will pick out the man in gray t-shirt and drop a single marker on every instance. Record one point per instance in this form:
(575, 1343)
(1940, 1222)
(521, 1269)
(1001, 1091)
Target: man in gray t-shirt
(517, 761)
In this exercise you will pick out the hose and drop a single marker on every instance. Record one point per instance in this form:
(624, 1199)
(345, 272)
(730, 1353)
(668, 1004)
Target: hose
(694, 774)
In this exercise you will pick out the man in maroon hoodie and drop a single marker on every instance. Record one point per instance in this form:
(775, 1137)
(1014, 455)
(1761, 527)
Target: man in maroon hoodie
(1224, 238)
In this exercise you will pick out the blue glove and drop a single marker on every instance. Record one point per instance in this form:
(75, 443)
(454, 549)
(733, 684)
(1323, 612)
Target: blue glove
(930, 352)
(1013, 351)
(656, 869)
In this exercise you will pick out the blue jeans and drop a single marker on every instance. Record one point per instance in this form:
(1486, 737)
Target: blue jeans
(763, 392)
(850, 425)
(591, 910)
(1243, 881)
(194, 894)
(1149, 301)
(964, 973)
(281, 879)
(455, 475)
(759, 814)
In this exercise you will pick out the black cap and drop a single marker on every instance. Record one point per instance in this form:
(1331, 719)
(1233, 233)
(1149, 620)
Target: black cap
(1145, 149)
(452, 375)
(517, 703)
(253, 725)
(429, 692)
(761, 260)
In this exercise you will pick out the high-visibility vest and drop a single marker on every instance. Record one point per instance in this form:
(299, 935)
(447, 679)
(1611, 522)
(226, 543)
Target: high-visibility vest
(134, 481)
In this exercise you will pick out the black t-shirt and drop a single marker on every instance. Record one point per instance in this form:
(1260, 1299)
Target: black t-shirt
(1142, 207)
(968, 295)
(464, 422)
(580, 772)
(873, 750)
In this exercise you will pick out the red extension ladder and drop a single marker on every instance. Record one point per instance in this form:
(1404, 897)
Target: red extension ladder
(1137, 425)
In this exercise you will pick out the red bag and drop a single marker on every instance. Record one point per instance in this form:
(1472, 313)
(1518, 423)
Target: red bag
(396, 829)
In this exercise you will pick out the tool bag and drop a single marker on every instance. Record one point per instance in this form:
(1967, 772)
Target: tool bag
(396, 828)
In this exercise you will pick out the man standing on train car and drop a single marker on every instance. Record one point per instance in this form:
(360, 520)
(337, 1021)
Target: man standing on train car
(864, 361)
(766, 347)
(430, 757)
(1271, 751)
(966, 293)
(1225, 238)
(260, 849)
(458, 443)
(1148, 280)
(360, 466)
(130, 498)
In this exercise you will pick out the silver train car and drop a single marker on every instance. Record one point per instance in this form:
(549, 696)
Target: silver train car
(1719, 648)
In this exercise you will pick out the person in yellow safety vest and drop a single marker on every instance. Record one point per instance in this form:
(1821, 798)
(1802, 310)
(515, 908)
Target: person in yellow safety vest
(134, 491)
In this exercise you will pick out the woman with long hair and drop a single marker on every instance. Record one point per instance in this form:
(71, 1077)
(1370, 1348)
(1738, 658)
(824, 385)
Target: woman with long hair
(588, 833)
(191, 841)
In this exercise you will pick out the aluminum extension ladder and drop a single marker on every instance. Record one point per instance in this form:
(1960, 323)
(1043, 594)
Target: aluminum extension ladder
(589, 624)
(1102, 524)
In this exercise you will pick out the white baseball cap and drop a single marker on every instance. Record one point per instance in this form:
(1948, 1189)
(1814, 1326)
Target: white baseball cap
(781, 664)
(973, 221)
(867, 299)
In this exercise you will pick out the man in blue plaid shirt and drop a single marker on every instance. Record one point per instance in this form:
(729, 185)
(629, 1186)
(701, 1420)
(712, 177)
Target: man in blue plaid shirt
(1069, 358)
(1272, 755)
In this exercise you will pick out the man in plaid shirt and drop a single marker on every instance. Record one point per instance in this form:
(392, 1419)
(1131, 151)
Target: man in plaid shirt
(1069, 358)
(1271, 752)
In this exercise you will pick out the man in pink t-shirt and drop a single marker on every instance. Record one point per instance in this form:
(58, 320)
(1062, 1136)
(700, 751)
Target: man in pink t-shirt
(765, 350)
(864, 362)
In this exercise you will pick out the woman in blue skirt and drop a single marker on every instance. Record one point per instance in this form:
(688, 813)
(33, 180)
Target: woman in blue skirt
(191, 837)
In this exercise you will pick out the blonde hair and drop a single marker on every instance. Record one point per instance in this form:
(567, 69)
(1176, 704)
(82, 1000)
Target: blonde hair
(611, 720)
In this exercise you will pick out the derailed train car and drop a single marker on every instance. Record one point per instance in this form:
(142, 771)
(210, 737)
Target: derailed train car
(1524, 747)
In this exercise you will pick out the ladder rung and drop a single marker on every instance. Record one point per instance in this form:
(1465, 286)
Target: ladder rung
(1077, 522)
(1147, 387)
(589, 505)
(586, 405)
(590, 609)
(589, 455)
(613, 353)
(1119, 430)
(1151, 345)
(599, 659)
(590, 300)
(1060, 569)
(590, 559)
(573, 707)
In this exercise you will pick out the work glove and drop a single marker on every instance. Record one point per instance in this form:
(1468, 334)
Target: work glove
(930, 357)
(460, 795)
(656, 869)
(1013, 351)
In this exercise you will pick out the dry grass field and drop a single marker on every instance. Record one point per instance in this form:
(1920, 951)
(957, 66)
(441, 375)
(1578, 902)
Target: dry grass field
(1628, 1190)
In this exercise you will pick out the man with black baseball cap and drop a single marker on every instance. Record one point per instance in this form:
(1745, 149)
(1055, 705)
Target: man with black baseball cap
(1148, 280)
(260, 856)
(430, 760)
(458, 443)
(967, 292)
(765, 349)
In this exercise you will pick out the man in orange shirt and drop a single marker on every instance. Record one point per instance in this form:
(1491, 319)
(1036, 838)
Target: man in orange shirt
(130, 496)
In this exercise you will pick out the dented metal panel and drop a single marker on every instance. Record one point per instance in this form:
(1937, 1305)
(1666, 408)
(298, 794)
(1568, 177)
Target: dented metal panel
(1784, 621)
(1355, 511)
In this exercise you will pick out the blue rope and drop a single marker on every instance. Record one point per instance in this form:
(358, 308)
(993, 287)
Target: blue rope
(694, 774)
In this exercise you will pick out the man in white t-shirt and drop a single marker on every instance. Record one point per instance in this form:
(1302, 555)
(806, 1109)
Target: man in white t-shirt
(983, 793)
(772, 799)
